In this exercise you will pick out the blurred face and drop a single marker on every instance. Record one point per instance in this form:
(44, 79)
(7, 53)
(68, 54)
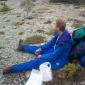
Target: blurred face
(56, 29)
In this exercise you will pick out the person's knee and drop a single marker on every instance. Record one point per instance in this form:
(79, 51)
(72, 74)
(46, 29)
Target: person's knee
(83, 61)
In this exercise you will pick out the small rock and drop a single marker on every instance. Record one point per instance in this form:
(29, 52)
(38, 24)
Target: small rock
(30, 17)
(82, 14)
(76, 7)
(18, 15)
(7, 20)
(48, 22)
(27, 74)
(15, 27)
(18, 23)
(20, 33)
(28, 23)
(82, 83)
(1, 47)
(2, 32)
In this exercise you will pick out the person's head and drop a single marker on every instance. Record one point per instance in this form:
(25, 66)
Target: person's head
(60, 25)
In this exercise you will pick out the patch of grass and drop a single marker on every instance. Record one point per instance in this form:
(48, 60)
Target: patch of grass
(48, 22)
(28, 3)
(20, 33)
(18, 23)
(36, 39)
(51, 31)
(4, 8)
(79, 4)
(2, 32)
(41, 31)
(70, 70)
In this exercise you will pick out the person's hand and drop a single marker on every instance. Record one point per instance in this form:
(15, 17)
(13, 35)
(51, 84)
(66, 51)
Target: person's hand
(38, 52)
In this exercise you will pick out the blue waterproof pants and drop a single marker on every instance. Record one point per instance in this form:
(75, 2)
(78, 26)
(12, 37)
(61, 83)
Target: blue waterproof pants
(31, 49)
(33, 64)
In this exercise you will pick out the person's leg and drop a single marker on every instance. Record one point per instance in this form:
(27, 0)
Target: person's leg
(82, 61)
(33, 64)
(59, 64)
(30, 48)
(47, 51)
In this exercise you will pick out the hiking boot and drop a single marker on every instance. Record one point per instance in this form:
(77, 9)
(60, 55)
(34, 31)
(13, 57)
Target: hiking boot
(6, 70)
(20, 47)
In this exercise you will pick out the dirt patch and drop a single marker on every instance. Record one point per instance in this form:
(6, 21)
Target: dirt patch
(2, 32)
(20, 33)
(30, 17)
(41, 31)
(18, 23)
(48, 22)
(35, 39)
(7, 20)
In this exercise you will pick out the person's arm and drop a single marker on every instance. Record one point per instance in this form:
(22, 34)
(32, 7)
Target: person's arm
(51, 42)
(63, 48)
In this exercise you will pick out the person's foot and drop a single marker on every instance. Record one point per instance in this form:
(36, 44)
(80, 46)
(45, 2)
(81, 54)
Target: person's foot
(20, 48)
(6, 70)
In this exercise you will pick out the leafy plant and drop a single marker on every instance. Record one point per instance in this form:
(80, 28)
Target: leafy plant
(4, 8)
(70, 70)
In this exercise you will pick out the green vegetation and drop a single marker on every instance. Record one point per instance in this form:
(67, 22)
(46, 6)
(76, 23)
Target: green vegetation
(20, 33)
(79, 4)
(70, 70)
(28, 3)
(51, 31)
(41, 31)
(4, 8)
(35, 39)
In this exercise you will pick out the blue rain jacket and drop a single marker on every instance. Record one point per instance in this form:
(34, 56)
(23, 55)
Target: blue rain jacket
(55, 51)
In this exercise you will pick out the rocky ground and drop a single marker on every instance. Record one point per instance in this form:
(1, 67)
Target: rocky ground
(17, 24)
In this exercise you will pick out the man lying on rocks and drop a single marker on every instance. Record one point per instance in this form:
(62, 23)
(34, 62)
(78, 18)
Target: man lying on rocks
(55, 51)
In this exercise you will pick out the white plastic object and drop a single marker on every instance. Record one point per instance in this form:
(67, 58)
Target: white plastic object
(35, 78)
(45, 70)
